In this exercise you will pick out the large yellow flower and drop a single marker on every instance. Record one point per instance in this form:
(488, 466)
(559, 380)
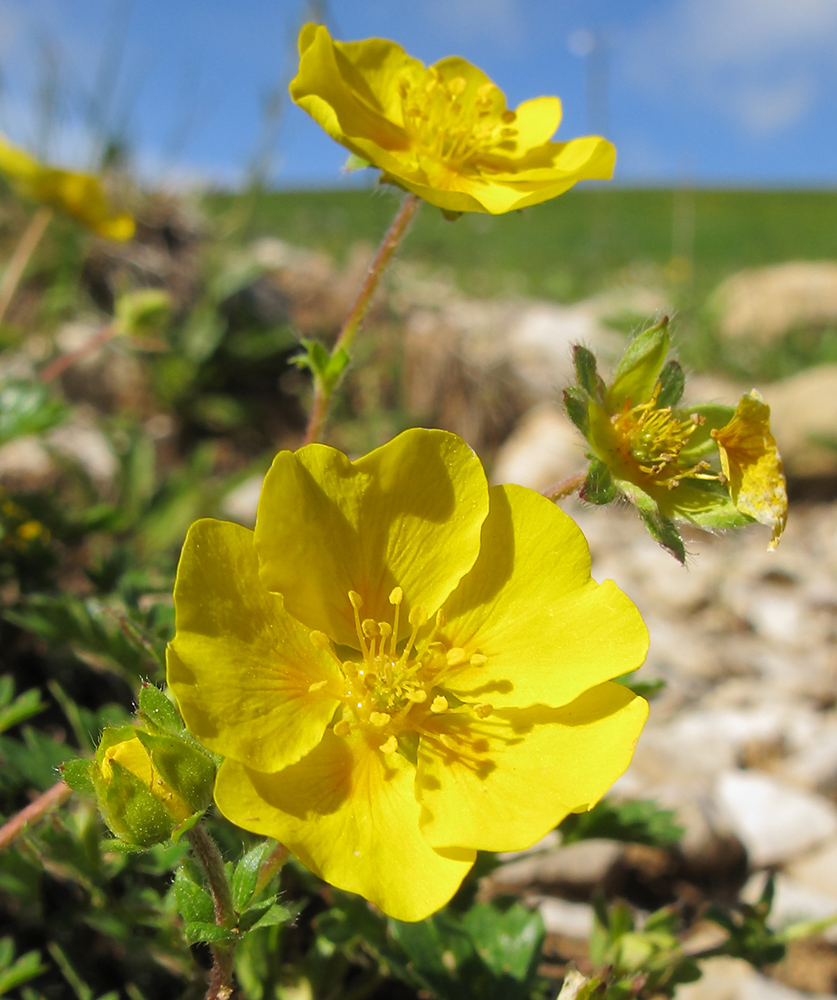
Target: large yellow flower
(442, 132)
(80, 195)
(402, 666)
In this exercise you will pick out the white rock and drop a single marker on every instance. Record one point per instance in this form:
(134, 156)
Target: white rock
(544, 449)
(581, 865)
(817, 870)
(734, 979)
(241, 503)
(83, 442)
(25, 464)
(803, 409)
(774, 820)
(572, 920)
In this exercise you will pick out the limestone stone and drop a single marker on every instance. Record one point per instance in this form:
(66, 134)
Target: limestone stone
(544, 449)
(25, 464)
(575, 868)
(572, 920)
(727, 978)
(793, 902)
(242, 502)
(774, 820)
(817, 870)
(803, 415)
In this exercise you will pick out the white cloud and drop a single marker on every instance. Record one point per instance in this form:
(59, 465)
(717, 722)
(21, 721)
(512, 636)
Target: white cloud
(759, 61)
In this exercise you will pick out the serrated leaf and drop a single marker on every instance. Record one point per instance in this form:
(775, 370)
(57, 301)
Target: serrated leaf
(637, 372)
(586, 373)
(575, 405)
(156, 709)
(672, 384)
(599, 487)
(194, 902)
(509, 943)
(208, 933)
(246, 874)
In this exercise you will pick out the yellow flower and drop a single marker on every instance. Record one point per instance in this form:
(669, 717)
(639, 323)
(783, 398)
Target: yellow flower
(402, 666)
(442, 132)
(79, 195)
(752, 466)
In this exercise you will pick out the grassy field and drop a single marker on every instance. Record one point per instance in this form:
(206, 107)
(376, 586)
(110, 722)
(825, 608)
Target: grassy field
(572, 246)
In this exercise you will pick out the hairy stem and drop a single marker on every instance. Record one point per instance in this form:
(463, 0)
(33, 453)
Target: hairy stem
(20, 258)
(566, 487)
(209, 857)
(323, 394)
(65, 361)
(51, 799)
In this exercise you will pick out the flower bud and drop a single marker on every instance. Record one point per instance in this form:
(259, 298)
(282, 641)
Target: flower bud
(148, 786)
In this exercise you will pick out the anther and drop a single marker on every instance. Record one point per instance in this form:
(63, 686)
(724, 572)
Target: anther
(342, 728)
(508, 117)
(355, 600)
(457, 86)
(478, 660)
(439, 704)
(417, 696)
(384, 630)
(319, 640)
(418, 616)
(349, 668)
(370, 628)
(483, 711)
(316, 686)
(380, 719)
(389, 745)
(455, 656)
(396, 595)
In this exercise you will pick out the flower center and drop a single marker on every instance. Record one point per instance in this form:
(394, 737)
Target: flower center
(654, 438)
(395, 687)
(451, 132)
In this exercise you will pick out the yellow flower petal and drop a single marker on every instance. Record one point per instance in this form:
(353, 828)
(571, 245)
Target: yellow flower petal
(548, 631)
(239, 666)
(80, 195)
(407, 515)
(503, 783)
(752, 465)
(349, 813)
(443, 132)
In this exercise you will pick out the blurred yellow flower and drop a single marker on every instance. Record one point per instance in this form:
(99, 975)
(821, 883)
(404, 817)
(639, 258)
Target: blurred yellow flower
(752, 466)
(442, 132)
(402, 666)
(80, 195)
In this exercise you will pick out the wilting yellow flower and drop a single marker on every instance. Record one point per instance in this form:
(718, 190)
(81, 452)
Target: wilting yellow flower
(442, 132)
(80, 195)
(402, 666)
(752, 466)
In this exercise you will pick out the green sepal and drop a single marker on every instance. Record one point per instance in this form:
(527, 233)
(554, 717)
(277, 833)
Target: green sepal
(273, 915)
(183, 828)
(130, 810)
(451, 216)
(711, 417)
(672, 384)
(664, 531)
(636, 374)
(587, 374)
(185, 769)
(78, 775)
(599, 487)
(575, 404)
(355, 162)
(157, 712)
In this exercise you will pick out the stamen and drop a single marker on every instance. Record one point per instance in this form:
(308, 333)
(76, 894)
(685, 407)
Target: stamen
(417, 696)
(370, 628)
(389, 745)
(342, 728)
(356, 602)
(483, 711)
(455, 656)
(478, 660)
(396, 597)
(317, 686)
(418, 617)
(380, 719)
(319, 640)
(439, 704)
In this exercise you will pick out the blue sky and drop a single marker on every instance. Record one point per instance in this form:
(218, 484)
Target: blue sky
(719, 92)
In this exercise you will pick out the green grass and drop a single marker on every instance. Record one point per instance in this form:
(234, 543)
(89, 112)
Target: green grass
(570, 247)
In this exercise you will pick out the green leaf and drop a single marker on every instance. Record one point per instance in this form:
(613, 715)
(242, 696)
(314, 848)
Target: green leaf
(209, 933)
(599, 487)
(586, 373)
(246, 874)
(672, 383)
(27, 408)
(16, 973)
(194, 902)
(156, 709)
(509, 943)
(274, 916)
(648, 689)
(22, 708)
(575, 404)
(636, 374)
(638, 822)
